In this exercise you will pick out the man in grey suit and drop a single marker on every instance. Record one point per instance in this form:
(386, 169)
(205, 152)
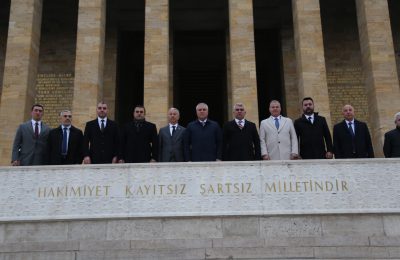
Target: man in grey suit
(171, 139)
(278, 138)
(30, 142)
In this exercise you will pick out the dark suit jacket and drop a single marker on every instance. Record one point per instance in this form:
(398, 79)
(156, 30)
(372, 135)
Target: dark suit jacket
(240, 144)
(343, 143)
(171, 147)
(139, 144)
(74, 153)
(391, 146)
(28, 149)
(101, 146)
(203, 143)
(314, 139)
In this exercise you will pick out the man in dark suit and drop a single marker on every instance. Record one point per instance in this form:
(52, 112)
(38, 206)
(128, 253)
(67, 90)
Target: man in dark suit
(101, 138)
(139, 142)
(170, 139)
(391, 146)
(30, 142)
(351, 138)
(240, 138)
(65, 142)
(203, 138)
(313, 133)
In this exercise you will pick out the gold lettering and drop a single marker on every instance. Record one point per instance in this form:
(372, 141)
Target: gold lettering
(170, 189)
(236, 188)
(249, 187)
(219, 187)
(59, 192)
(107, 187)
(305, 185)
(147, 188)
(76, 191)
(43, 192)
(269, 188)
(228, 187)
(139, 191)
(297, 186)
(344, 186)
(202, 188)
(183, 186)
(330, 187)
(98, 190)
(51, 193)
(319, 185)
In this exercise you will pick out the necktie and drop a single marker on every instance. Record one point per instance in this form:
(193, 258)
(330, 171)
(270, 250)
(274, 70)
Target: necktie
(309, 119)
(203, 123)
(36, 130)
(240, 124)
(277, 123)
(173, 130)
(351, 129)
(64, 142)
(102, 125)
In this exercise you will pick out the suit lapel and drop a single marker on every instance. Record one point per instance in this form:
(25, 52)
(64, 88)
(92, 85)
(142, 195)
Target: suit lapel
(282, 123)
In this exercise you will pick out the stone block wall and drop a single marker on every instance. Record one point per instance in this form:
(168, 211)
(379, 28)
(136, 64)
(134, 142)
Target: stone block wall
(367, 236)
(4, 16)
(343, 59)
(394, 8)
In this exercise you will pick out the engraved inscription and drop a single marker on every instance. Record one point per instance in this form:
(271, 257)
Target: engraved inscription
(55, 92)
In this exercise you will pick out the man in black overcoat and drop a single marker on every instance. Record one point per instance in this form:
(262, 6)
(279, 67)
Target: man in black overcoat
(351, 138)
(315, 141)
(240, 138)
(65, 142)
(202, 138)
(101, 138)
(391, 146)
(139, 142)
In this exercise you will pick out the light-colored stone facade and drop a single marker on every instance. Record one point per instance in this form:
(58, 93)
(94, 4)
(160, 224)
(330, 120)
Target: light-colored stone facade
(354, 236)
(351, 60)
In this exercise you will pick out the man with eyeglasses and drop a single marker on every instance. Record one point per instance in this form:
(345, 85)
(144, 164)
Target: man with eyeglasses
(203, 138)
(139, 142)
(240, 138)
(65, 142)
(101, 138)
(391, 146)
(30, 142)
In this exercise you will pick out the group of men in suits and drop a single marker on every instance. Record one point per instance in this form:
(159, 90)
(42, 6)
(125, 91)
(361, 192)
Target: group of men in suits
(203, 139)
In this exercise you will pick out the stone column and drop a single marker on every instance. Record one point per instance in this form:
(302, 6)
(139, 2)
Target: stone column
(89, 63)
(379, 65)
(311, 70)
(289, 73)
(110, 70)
(242, 57)
(20, 70)
(156, 62)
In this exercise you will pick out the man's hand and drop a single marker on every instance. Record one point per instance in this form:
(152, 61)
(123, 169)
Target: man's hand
(329, 155)
(294, 156)
(266, 157)
(16, 163)
(87, 160)
(114, 159)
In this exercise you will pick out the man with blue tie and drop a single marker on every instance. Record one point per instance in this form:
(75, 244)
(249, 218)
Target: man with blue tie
(351, 138)
(278, 138)
(65, 142)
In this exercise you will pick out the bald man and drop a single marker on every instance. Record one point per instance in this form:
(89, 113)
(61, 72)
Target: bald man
(170, 139)
(351, 138)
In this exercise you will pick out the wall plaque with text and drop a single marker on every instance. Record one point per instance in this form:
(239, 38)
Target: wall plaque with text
(200, 189)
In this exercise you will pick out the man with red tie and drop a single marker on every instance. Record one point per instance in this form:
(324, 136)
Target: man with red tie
(30, 142)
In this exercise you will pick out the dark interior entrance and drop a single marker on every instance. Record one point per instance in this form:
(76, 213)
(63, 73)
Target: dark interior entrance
(130, 74)
(268, 70)
(200, 73)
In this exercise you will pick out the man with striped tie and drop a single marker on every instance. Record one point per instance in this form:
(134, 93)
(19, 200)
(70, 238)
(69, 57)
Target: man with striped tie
(240, 138)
